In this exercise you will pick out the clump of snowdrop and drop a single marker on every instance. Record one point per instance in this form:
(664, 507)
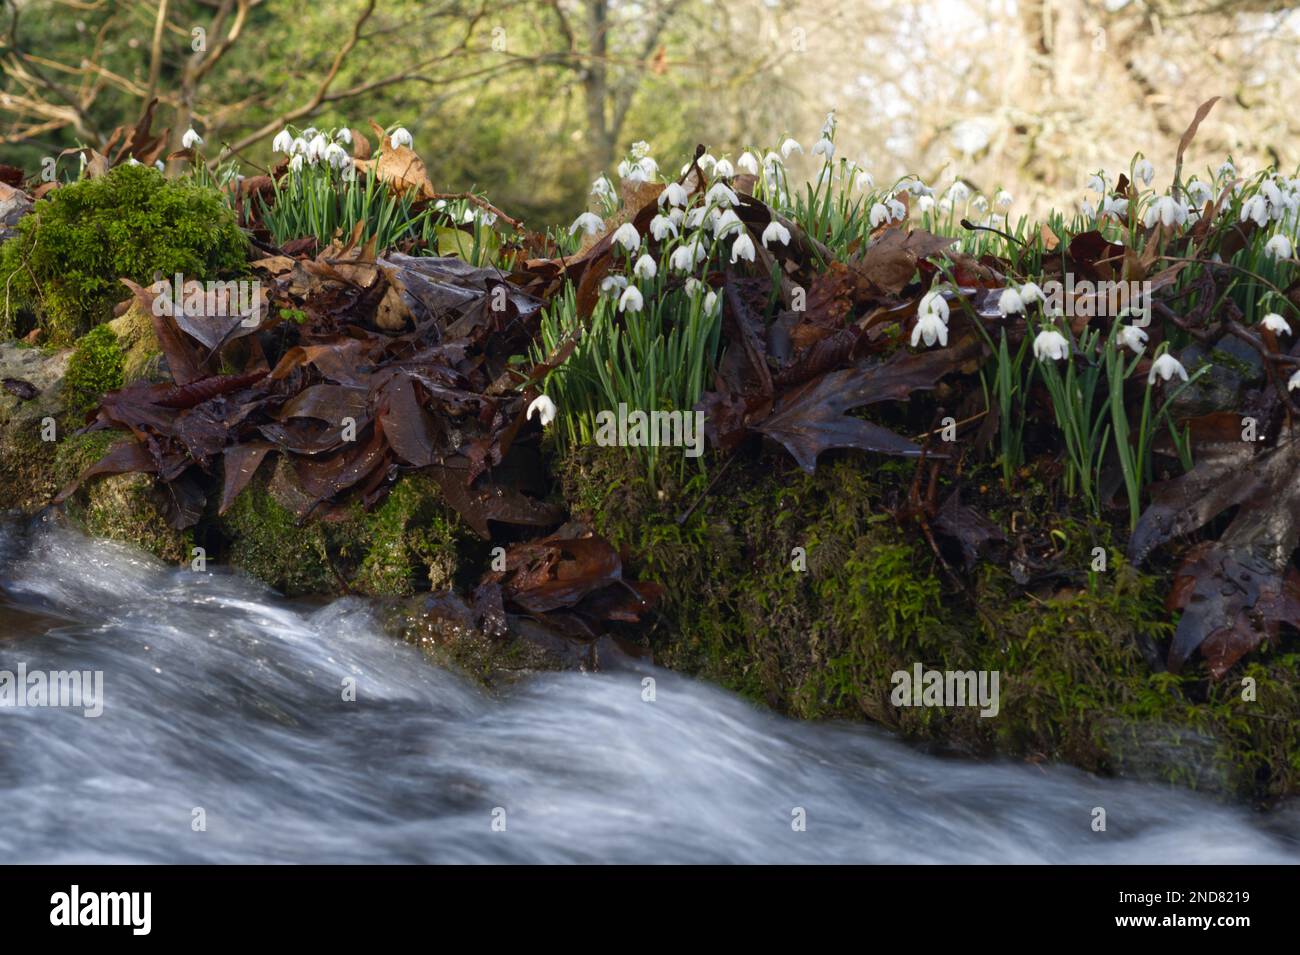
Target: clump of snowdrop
(674, 194)
(1144, 170)
(931, 320)
(1279, 247)
(1166, 210)
(662, 226)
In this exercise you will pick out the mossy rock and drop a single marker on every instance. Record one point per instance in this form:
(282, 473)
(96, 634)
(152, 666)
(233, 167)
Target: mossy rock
(824, 641)
(142, 357)
(122, 507)
(62, 269)
(406, 544)
(31, 431)
(95, 368)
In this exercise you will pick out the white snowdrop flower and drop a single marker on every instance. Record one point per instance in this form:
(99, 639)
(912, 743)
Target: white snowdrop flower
(863, 180)
(1051, 345)
(790, 146)
(674, 194)
(158, 164)
(627, 236)
(336, 155)
(1256, 209)
(613, 284)
(724, 222)
(625, 169)
(824, 147)
(682, 258)
(299, 147)
(1279, 247)
(675, 216)
(588, 222)
(1114, 207)
(772, 165)
(640, 148)
(344, 135)
(1166, 210)
(1166, 366)
(1227, 170)
(723, 169)
(661, 227)
(1144, 171)
(980, 204)
(1276, 324)
(828, 127)
(720, 194)
(1096, 183)
(694, 286)
(401, 137)
(896, 209)
(1003, 199)
(945, 205)
(705, 162)
(316, 148)
(1199, 192)
(283, 142)
(309, 132)
(742, 248)
(929, 328)
(1294, 383)
(775, 232)
(648, 166)
(132, 161)
(295, 164)
(917, 188)
(545, 409)
(1030, 293)
(1131, 337)
(958, 192)
(695, 218)
(879, 215)
(925, 203)
(602, 188)
(468, 215)
(645, 267)
(710, 302)
(748, 162)
(191, 139)
(933, 303)
(1268, 188)
(1010, 302)
(630, 300)
(1088, 211)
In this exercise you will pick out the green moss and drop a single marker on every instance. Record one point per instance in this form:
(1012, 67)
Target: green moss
(121, 507)
(823, 642)
(267, 542)
(409, 540)
(71, 250)
(95, 368)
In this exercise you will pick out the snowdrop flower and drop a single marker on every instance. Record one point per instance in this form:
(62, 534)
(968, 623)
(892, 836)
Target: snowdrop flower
(158, 164)
(694, 286)
(1010, 302)
(683, 258)
(710, 302)
(401, 137)
(648, 166)
(191, 139)
(1255, 208)
(705, 162)
(1030, 293)
(283, 142)
(748, 162)
(630, 300)
(602, 188)
(627, 236)
(1003, 199)
(879, 214)
(980, 204)
(545, 409)
(934, 304)
(1199, 192)
(742, 248)
(1279, 247)
(1088, 211)
(925, 203)
(1096, 183)
(645, 267)
(695, 217)
(1131, 337)
(958, 192)
(724, 222)
(298, 147)
(132, 161)
(1167, 211)
(661, 227)
(588, 222)
(631, 172)
(824, 147)
(723, 169)
(1276, 324)
(790, 146)
(1051, 345)
(344, 135)
(1114, 207)
(720, 195)
(1144, 171)
(1227, 170)
(863, 180)
(775, 232)
(828, 127)
(640, 148)
(295, 164)
(336, 155)
(929, 328)
(316, 148)
(916, 187)
(675, 216)
(896, 209)
(1294, 383)
(309, 132)
(1166, 366)
(613, 284)
(674, 194)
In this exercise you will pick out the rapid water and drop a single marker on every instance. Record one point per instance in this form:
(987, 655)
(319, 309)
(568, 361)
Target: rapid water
(220, 695)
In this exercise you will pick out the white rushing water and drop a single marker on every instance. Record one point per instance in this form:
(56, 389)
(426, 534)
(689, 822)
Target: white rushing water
(221, 696)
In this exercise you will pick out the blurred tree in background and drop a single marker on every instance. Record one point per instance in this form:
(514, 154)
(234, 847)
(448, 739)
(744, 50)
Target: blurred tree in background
(529, 99)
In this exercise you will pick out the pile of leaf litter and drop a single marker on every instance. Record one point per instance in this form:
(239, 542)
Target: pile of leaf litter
(365, 364)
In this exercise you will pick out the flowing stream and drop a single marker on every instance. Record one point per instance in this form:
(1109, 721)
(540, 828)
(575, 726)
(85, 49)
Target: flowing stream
(221, 696)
